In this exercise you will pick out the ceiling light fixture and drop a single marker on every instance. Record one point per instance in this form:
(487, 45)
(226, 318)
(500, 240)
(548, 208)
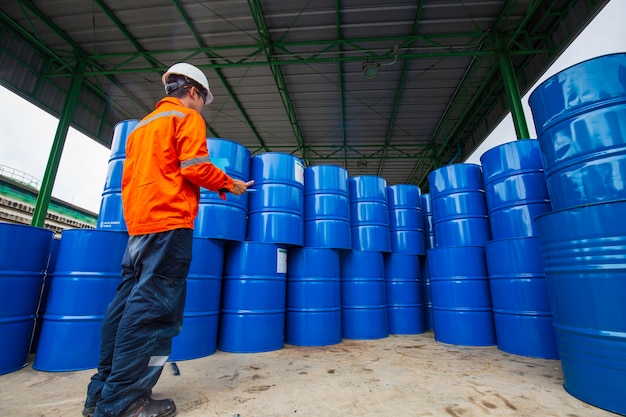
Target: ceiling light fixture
(370, 69)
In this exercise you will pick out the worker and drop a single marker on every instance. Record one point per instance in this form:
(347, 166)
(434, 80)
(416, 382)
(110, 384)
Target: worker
(166, 164)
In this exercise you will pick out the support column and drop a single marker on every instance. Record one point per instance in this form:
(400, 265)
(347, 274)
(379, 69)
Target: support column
(512, 90)
(43, 199)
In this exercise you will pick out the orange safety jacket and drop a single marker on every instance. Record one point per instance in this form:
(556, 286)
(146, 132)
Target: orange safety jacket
(167, 162)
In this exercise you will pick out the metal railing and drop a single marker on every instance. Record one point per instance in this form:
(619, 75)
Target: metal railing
(20, 176)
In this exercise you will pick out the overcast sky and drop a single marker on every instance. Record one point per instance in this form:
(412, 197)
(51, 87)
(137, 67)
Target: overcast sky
(26, 132)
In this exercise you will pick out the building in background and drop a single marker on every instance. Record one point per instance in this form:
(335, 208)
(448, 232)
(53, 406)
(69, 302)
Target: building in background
(18, 196)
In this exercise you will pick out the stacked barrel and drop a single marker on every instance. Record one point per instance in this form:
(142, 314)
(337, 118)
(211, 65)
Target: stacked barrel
(363, 298)
(219, 223)
(23, 259)
(516, 194)
(83, 282)
(458, 271)
(254, 290)
(224, 219)
(580, 117)
(198, 337)
(405, 301)
(313, 316)
(111, 215)
(429, 243)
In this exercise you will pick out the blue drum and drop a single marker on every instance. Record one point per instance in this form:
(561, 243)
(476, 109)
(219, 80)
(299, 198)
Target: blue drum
(253, 298)
(515, 188)
(427, 294)
(111, 215)
(519, 296)
(363, 298)
(427, 221)
(219, 219)
(369, 215)
(313, 297)
(405, 219)
(405, 305)
(326, 207)
(579, 115)
(86, 275)
(276, 212)
(23, 260)
(459, 206)
(198, 337)
(584, 254)
(461, 297)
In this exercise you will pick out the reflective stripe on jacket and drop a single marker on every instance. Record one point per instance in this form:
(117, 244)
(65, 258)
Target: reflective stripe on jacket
(166, 164)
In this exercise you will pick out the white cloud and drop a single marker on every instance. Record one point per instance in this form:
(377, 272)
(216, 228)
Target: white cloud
(27, 133)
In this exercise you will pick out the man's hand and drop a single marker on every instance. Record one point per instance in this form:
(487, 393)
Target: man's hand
(239, 187)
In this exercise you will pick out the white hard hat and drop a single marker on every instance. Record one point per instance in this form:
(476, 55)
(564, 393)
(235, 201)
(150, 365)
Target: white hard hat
(192, 72)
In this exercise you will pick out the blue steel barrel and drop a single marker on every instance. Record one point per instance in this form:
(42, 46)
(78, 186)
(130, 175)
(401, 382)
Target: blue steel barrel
(461, 297)
(326, 207)
(252, 315)
(54, 251)
(429, 242)
(23, 259)
(519, 297)
(369, 217)
(405, 305)
(515, 188)
(111, 215)
(363, 298)
(405, 219)
(429, 323)
(427, 221)
(276, 212)
(198, 337)
(87, 272)
(579, 115)
(313, 315)
(219, 219)
(458, 205)
(584, 255)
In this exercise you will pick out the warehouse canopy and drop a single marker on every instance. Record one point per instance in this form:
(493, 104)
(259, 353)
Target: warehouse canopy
(387, 88)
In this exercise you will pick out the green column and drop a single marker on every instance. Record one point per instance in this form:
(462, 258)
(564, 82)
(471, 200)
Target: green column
(43, 199)
(512, 91)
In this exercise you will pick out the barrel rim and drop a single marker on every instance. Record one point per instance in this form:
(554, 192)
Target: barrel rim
(578, 64)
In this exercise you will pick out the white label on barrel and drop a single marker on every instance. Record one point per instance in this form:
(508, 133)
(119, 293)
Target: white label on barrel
(299, 172)
(281, 261)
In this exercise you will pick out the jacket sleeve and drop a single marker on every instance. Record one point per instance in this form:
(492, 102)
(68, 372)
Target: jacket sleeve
(194, 158)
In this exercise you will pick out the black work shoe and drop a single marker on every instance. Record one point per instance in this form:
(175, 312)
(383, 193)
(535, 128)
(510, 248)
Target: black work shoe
(89, 411)
(147, 407)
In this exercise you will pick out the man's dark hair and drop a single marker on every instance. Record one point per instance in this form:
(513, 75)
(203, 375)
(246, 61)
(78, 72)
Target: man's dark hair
(177, 86)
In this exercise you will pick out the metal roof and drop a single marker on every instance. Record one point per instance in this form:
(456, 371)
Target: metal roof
(287, 74)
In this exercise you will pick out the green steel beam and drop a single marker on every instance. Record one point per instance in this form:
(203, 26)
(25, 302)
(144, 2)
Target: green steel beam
(399, 90)
(78, 51)
(43, 199)
(151, 60)
(461, 101)
(512, 90)
(220, 76)
(534, 43)
(342, 103)
(268, 48)
(329, 51)
(52, 58)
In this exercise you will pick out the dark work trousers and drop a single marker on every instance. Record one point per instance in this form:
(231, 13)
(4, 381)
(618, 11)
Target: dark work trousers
(142, 319)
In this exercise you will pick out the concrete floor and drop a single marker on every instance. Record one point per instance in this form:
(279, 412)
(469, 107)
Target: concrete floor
(397, 376)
